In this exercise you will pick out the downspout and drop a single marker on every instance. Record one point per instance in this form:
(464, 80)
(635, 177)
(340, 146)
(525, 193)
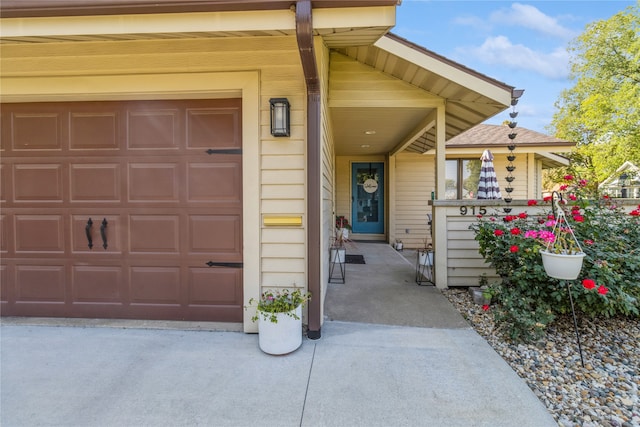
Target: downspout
(304, 34)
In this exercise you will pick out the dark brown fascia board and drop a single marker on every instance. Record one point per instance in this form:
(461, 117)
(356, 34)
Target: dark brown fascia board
(47, 8)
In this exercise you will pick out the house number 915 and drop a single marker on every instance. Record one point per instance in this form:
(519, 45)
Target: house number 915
(465, 210)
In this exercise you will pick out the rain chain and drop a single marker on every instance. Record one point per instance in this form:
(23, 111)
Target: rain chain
(512, 146)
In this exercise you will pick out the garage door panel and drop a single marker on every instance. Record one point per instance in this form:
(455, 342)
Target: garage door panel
(4, 182)
(219, 183)
(166, 175)
(215, 286)
(213, 128)
(97, 284)
(4, 234)
(6, 285)
(38, 183)
(155, 285)
(153, 182)
(39, 234)
(36, 130)
(44, 283)
(216, 235)
(158, 129)
(154, 234)
(95, 182)
(92, 233)
(93, 130)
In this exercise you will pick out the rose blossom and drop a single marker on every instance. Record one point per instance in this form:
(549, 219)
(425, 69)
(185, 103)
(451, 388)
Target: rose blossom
(589, 283)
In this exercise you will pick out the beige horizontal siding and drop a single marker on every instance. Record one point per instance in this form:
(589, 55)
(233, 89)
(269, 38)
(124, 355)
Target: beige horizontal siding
(415, 179)
(465, 265)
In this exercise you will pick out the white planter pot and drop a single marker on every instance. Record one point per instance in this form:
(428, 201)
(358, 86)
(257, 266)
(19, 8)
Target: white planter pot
(345, 233)
(426, 257)
(283, 336)
(562, 266)
(338, 255)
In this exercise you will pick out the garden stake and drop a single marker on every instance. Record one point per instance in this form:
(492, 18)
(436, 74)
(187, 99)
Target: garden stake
(575, 322)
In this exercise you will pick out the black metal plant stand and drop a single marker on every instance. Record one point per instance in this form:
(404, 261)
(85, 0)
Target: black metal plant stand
(336, 261)
(575, 322)
(424, 260)
(424, 267)
(573, 310)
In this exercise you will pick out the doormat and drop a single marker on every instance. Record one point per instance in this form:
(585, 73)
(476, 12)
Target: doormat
(354, 259)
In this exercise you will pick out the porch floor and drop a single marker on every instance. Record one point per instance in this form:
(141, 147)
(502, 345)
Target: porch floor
(384, 291)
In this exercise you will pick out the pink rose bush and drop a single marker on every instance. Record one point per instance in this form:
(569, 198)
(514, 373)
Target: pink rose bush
(527, 299)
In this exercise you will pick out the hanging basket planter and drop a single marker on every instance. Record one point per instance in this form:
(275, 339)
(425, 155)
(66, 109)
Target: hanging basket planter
(562, 266)
(562, 259)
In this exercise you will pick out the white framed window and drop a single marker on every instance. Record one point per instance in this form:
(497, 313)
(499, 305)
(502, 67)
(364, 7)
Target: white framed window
(462, 177)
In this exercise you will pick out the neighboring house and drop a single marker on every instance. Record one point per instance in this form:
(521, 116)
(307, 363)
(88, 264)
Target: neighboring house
(140, 176)
(624, 183)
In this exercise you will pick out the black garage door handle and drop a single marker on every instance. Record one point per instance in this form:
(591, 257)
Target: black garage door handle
(103, 233)
(87, 230)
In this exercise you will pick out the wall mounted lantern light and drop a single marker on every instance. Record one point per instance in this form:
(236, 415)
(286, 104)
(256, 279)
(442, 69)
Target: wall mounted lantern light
(280, 125)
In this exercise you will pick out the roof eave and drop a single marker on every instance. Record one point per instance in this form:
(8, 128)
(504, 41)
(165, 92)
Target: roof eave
(438, 64)
(49, 8)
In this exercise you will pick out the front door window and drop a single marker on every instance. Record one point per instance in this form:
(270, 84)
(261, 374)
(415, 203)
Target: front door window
(368, 201)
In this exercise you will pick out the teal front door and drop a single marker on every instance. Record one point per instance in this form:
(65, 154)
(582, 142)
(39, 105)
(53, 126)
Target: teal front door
(367, 180)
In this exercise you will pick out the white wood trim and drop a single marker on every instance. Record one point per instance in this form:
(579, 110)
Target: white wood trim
(417, 132)
(439, 220)
(149, 23)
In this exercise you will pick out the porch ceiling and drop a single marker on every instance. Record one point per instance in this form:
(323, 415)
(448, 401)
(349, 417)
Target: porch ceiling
(469, 98)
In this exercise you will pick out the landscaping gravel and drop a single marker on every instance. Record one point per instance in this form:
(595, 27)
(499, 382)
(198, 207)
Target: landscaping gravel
(605, 392)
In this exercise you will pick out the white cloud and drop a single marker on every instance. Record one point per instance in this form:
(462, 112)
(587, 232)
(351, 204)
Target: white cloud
(473, 22)
(501, 52)
(528, 16)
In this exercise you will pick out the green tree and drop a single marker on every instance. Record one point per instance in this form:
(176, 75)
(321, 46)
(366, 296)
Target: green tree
(601, 112)
(472, 176)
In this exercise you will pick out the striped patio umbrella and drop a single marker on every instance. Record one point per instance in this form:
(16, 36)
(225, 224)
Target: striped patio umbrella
(488, 187)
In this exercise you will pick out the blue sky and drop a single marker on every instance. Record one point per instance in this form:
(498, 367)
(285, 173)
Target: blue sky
(522, 44)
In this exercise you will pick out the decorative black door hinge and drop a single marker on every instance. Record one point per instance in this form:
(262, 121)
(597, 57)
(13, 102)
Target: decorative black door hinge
(225, 264)
(224, 151)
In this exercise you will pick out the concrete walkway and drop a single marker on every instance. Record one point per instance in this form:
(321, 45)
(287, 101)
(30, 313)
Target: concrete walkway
(355, 375)
(426, 367)
(384, 291)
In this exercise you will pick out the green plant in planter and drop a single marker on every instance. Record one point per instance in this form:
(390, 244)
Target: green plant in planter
(272, 302)
(342, 222)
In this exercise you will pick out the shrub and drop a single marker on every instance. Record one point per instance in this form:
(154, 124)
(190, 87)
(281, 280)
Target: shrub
(528, 300)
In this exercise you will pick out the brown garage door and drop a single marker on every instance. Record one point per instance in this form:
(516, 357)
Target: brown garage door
(122, 210)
